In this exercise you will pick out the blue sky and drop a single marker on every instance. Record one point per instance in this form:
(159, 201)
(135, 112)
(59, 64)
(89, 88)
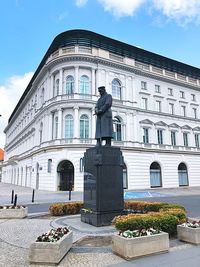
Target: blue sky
(27, 27)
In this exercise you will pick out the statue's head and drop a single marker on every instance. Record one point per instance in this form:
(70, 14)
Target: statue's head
(101, 90)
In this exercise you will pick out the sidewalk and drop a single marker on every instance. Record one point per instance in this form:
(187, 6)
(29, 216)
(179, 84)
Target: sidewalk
(91, 246)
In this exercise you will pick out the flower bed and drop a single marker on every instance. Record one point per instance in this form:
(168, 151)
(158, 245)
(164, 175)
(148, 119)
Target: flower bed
(13, 212)
(51, 247)
(132, 244)
(189, 232)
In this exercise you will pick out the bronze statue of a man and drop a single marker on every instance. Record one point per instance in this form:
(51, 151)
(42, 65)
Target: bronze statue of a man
(104, 123)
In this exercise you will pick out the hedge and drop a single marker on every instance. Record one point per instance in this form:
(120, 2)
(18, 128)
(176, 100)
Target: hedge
(140, 207)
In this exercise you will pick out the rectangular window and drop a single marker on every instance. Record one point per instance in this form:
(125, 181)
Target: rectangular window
(160, 136)
(49, 165)
(143, 85)
(173, 138)
(183, 111)
(171, 108)
(158, 105)
(185, 139)
(144, 103)
(146, 135)
(157, 88)
(182, 94)
(170, 91)
(196, 136)
(194, 113)
(193, 97)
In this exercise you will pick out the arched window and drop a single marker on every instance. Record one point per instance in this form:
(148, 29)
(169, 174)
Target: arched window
(69, 126)
(84, 85)
(155, 175)
(42, 96)
(182, 174)
(117, 124)
(55, 130)
(56, 89)
(84, 127)
(69, 85)
(116, 89)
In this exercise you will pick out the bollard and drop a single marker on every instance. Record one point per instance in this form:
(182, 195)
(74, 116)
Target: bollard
(15, 201)
(33, 195)
(70, 192)
(12, 197)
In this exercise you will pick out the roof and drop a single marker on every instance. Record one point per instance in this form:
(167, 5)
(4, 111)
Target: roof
(1, 154)
(88, 38)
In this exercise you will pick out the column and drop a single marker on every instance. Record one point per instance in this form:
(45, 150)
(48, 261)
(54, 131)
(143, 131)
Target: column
(51, 89)
(60, 81)
(93, 82)
(76, 122)
(60, 123)
(76, 79)
(136, 128)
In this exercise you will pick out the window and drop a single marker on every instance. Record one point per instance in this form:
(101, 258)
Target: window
(56, 89)
(41, 131)
(69, 126)
(157, 88)
(116, 89)
(185, 139)
(55, 128)
(196, 137)
(84, 85)
(143, 85)
(171, 108)
(84, 127)
(158, 105)
(173, 138)
(81, 167)
(170, 91)
(145, 135)
(144, 103)
(49, 166)
(160, 136)
(69, 85)
(193, 97)
(183, 111)
(42, 96)
(182, 94)
(117, 124)
(194, 113)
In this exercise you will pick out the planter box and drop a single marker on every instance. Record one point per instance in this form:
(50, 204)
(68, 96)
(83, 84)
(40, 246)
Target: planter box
(188, 234)
(50, 252)
(13, 213)
(129, 248)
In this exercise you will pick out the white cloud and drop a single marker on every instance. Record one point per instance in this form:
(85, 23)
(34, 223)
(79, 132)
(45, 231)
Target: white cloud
(80, 3)
(121, 8)
(183, 11)
(10, 93)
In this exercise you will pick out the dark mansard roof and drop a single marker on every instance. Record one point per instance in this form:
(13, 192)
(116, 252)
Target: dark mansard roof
(92, 39)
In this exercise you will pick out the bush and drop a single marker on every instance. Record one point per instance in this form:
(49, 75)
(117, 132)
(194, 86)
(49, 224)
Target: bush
(60, 209)
(144, 207)
(179, 213)
(156, 220)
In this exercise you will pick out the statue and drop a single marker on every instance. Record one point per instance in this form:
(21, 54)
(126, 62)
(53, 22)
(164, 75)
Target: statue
(104, 123)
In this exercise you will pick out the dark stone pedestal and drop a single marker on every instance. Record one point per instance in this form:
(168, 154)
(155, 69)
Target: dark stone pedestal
(103, 185)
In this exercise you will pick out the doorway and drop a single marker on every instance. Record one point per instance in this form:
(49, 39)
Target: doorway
(66, 173)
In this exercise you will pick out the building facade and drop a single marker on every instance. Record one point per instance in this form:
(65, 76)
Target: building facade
(156, 116)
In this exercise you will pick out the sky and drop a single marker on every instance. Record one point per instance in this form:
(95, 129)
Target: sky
(169, 28)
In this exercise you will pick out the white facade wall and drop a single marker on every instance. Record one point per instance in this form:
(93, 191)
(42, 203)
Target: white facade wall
(31, 139)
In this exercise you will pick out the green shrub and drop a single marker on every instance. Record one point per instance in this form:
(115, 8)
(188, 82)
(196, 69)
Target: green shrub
(156, 220)
(179, 213)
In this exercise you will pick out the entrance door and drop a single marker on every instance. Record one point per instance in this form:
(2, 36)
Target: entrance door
(66, 170)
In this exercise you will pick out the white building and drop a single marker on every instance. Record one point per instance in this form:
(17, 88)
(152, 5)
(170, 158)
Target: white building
(155, 110)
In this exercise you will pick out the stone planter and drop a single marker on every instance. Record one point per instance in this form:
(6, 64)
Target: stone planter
(50, 252)
(13, 213)
(129, 248)
(188, 234)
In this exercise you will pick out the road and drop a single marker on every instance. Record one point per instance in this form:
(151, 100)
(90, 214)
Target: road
(190, 202)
